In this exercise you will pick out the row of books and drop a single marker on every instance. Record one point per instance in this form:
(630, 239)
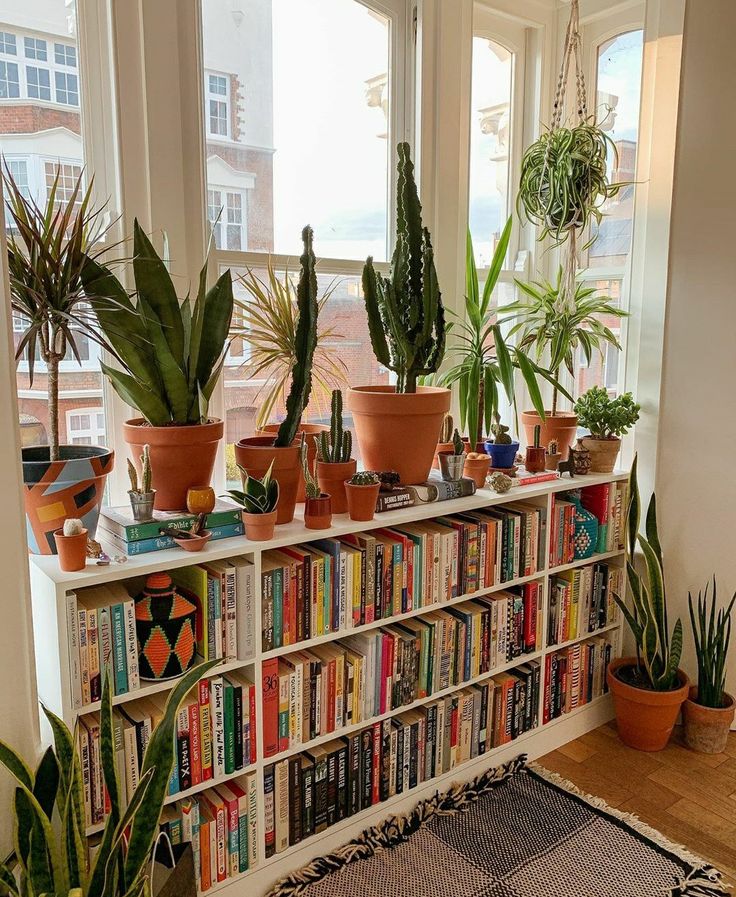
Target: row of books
(581, 601)
(216, 735)
(311, 693)
(332, 585)
(607, 501)
(575, 676)
(307, 793)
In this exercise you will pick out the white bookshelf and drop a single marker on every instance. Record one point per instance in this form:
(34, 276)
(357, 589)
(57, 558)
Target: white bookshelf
(49, 598)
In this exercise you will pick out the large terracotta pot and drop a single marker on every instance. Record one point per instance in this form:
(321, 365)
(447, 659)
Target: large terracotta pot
(55, 490)
(398, 431)
(181, 457)
(561, 428)
(707, 728)
(309, 430)
(255, 454)
(645, 718)
(603, 453)
(331, 479)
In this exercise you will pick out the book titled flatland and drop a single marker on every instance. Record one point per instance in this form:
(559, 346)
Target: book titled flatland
(119, 521)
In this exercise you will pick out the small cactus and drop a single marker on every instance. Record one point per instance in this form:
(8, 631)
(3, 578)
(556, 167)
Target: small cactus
(537, 435)
(311, 486)
(553, 447)
(364, 478)
(73, 527)
(448, 425)
(142, 486)
(457, 443)
(500, 432)
(336, 446)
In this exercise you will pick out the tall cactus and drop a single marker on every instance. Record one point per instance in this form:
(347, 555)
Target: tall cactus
(406, 319)
(305, 342)
(336, 446)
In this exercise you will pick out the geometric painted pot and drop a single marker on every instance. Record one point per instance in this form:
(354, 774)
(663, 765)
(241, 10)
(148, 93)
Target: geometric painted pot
(56, 490)
(165, 621)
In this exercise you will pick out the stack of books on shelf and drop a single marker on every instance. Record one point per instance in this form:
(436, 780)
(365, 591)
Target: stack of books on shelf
(607, 501)
(311, 693)
(311, 791)
(581, 601)
(215, 736)
(332, 585)
(120, 531)
(575, 676)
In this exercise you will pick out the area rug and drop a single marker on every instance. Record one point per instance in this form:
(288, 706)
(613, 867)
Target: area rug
(515, 831)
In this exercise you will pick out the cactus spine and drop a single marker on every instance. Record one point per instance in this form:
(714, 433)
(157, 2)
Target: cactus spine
(448, 425)
(311, 486)
(406, 319)
(336, 446)
(364, 478)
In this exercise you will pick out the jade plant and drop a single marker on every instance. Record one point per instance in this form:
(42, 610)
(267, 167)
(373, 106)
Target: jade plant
(406, 319)
(606, 418)
(336, 446)
(712, 634)
(259, 495)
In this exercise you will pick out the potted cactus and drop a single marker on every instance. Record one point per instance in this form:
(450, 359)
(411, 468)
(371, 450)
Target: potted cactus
(552, 456)
(362, 494)
(259, 499)
(142, 495)
(318, 504)
(608, 420)
(71, 545)
(453, 462)
(397, 427)
(536, 455)
(503, 448)
(445, 441)
(334, 464)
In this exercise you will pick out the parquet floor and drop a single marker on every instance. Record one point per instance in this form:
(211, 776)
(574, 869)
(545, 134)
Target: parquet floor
(689, 797)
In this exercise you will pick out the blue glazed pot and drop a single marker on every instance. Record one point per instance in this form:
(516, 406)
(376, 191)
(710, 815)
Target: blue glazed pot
(502, 455)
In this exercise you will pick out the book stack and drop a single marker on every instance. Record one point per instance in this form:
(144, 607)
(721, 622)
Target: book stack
(311, 791)
(575, 676)
(312, 693)
(334, 585)
(118, 529)
(215, 737)
(608, 501)
(581, 601)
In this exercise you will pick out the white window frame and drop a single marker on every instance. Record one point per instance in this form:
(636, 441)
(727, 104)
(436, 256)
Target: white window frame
(50, 65)
(94, 433)
(225, 99)
(224, 209)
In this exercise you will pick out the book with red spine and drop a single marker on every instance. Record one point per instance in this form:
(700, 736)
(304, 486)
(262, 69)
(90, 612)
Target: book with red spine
(270, 694)
(376, 765)
(205, 729)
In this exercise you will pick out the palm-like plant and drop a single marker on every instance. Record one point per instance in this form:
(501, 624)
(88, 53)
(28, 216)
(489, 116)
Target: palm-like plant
(268, 323)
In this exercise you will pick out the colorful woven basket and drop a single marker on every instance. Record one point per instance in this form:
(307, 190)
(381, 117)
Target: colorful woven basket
(586, 530)
(165, 621)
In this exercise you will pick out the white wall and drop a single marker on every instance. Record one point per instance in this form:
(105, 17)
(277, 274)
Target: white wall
(696, 475)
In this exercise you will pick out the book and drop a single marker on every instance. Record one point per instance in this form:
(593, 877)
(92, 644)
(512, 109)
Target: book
(436, 489)
(523, 477)
(160, 543)
(118, 521)
(400, 497)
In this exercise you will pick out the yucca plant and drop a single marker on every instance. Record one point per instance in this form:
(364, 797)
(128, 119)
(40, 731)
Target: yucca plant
(50, 854)
(258, 495)
(712, 634)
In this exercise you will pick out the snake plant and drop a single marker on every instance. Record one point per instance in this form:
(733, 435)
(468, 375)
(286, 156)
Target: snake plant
(712, 635)
(658, 652)
(50, 854)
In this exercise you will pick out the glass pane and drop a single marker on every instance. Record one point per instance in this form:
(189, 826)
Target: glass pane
(309, 142)
(490, 142)
(619, 90)
(603, 371)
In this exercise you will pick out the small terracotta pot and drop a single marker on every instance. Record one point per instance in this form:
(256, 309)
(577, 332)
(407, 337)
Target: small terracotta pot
(72, 550)
(562, 428)
(477, 470)
(441, 447)
(707, 728)
(310, 431)
(551, 461)
(645, 718)
(603, 453)
(194, 543)
(535, 458)
(259, 527)
(362, 500)
(255, 454)
(331, 479)
(318, 512)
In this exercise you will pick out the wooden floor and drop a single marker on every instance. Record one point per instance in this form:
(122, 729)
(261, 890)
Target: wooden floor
(689, 797)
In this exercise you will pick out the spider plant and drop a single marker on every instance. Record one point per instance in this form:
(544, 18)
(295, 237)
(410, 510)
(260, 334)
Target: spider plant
(269, 325)
(712, 635)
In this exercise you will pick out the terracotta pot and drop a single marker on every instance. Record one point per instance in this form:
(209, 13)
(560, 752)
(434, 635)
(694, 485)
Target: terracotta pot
(362, 500)
(707, 728)
(73, 486)
(72, 550)
(398, 431)
(318, 512)
(181, 457)
(535, 459)
(603, 453)
(194, 543)
(309, 431)
(562, 428)
(255, 454)
(331, 479)
(259, 527)
(441, 447)
(477, 470)
(645, 718)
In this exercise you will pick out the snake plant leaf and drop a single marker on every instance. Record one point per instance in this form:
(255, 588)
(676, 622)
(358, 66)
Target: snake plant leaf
(656, 587)
(197, 314)
(39, 871)
(107, 748)
(16, 765)
(74, 854)
(174, 379)
(148, 402)
(8, 882)
(634, 624)
(633, 510)
(70, 774)
(23, 827)
(675, 652)
(216, 317)
(31, 817)
(46, 782)
(650, 527)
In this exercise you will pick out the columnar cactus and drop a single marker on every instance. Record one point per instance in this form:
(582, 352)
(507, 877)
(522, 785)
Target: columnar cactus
(448, 425)
(336, 446)
(311, 486)
(457, 443)
(142, 487)
(406, 319)
(537, 435)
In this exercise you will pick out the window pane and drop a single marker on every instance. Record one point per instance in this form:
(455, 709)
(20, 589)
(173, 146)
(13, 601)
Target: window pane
(307, 145)
(8, 44)
(65, 55)
(490, 133)
(9, 82)
(603, 371)
(35, 48)
(67, 89)
(39, 83)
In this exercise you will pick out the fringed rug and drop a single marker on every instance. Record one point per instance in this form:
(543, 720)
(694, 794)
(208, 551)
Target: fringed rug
(515, 831)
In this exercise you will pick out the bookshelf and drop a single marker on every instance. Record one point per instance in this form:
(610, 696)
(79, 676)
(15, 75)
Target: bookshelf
(49, 598)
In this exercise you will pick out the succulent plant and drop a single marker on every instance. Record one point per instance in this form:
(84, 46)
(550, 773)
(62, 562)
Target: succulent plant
(553, 447)
(73, 527)
(457, 443)
(388, 479)
(142, 486)
(336, 446)
(311, 486)
(500, 432)
(606, 418)
(537, 435)
(364, 478)
(258, 496)
(448, 425)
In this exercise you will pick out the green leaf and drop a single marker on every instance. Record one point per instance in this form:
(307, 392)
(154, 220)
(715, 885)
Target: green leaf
(46, 782)
(530, 378)
(149, 403)
(505, 365)
(632, 516)
(496, 267)
(70, 774)
(7, 881)
(15, 765)
(216, 319)
(651, 529)
(174, 379)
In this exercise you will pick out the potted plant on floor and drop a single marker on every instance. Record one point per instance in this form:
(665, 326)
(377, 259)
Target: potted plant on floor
(397, 427)
(709, 710)
(648, 689)
(608, 420)
(47, 249)
(171, 354)
(255, 454)
(362, 494)
(259, 499)
(334, 464)
(318, 506)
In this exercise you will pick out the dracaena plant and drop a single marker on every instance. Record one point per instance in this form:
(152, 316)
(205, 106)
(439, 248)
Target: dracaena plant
(171, 351)
(50, 854)
(712, 634)
(258, 496)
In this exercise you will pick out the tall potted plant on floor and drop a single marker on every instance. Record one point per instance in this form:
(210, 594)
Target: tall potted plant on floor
(47, 250)
(648, 689)
(171, 356)
(397, 427)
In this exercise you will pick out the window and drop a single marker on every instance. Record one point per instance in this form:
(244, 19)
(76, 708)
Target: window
(9, 81)
(38, 82)
(86, 426)
(218, 106)
(226, 215)
(64, 54)
(34, 48)
(68, 174)
(8, 44)
(67, 88)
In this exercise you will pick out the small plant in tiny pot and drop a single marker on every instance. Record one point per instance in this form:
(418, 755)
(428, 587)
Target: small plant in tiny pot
(71, 545)
(552, 456)
(142, 496)
(259, 499)
(608, 420)
(535, 457)
(334, 464)
(709, 711)
(503, 449)
(650, 688)
(445, 441)
(362, 494)
(318, 504)
(476, 467)
(453, 462)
